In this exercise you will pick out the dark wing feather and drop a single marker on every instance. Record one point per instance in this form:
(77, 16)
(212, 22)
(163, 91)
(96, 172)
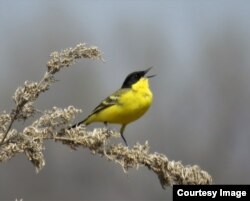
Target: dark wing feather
(109, 101)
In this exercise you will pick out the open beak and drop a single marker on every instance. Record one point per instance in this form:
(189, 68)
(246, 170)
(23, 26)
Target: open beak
(149, 76)
(146, 71)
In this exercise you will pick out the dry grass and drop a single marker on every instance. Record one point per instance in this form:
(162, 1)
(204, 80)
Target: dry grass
(52, 125)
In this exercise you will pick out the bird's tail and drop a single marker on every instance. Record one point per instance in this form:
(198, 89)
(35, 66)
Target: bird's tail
(77, 124)
(85, 121)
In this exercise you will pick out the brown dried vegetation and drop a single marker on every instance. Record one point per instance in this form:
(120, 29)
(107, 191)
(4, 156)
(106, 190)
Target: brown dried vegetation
(52, 125)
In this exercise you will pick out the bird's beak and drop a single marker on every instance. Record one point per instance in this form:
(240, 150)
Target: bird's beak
(147, 70)
(149, 76)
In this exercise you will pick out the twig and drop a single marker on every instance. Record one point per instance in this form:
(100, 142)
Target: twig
(168, 172)
(23, 101)
(27, 94)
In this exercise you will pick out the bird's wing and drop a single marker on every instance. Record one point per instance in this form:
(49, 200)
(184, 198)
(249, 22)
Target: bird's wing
(109, 101)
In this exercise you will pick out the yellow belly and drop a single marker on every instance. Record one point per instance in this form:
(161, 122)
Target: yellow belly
(131, 106)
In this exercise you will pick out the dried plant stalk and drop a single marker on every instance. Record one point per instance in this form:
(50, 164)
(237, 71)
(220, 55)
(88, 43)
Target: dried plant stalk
(52, 125)
(168, 172)
(27, 94)
(69, 56)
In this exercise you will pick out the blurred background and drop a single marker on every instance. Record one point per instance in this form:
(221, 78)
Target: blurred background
(201, 111)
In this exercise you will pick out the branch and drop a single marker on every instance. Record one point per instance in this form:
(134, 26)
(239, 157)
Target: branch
(26, 95)
(52, 125)
(32, 139)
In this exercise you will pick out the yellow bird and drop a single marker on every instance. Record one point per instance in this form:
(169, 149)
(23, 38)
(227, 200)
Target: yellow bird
(125, 105)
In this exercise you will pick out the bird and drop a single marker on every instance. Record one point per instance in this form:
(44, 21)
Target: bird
(125, 105)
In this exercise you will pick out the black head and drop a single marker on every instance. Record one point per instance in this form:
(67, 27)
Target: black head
(134, 77)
